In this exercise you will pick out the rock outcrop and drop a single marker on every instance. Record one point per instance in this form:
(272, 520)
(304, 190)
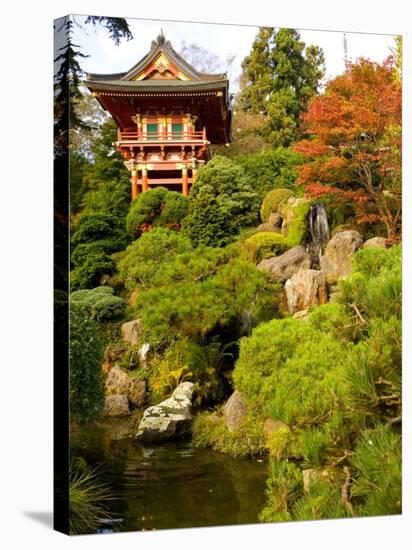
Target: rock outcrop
(116, 406)
(170, 419)
(234, 411)
(305, 289)
(132, 331)
(375, 242)
(337, 260)
(283, 267)
(119, 382)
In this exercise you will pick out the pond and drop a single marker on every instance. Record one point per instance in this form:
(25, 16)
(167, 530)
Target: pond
(171, 485)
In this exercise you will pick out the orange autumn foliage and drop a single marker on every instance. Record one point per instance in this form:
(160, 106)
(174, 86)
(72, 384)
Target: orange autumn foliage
(353, 142)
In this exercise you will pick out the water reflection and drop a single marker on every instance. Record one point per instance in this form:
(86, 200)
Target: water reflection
(171, 485)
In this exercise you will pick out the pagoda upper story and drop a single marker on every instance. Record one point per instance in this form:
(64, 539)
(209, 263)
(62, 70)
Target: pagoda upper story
(167, 114)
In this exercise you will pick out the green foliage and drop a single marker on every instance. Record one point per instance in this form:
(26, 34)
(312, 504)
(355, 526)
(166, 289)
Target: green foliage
(85, 356)
(221, 202)
(377, 461)
(208, 224)
(156, 207)
(280, 76)
(145, 259)
(194, 308)
(284, 484)
(184, 361)
(111, 197)
(264, 245)
(107, 165)
(272, 201)
(375, 286)
(95, 238)
(87, 498)
(100, 301)
(209, 430)
(271, 169)
(335, 382)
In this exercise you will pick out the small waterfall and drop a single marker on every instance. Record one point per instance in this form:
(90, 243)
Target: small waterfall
(319, 232)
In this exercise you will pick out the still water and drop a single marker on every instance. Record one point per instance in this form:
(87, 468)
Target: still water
(171, 485)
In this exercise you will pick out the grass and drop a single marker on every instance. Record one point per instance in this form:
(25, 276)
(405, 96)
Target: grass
(87, 499)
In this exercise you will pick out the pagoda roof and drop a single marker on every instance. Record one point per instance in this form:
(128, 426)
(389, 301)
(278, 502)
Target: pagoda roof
(161, 56)
(117, 85)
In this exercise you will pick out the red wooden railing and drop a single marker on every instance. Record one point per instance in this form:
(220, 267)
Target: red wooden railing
(189, 135)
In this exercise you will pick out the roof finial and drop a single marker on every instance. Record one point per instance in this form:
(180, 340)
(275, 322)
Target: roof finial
(161, 39)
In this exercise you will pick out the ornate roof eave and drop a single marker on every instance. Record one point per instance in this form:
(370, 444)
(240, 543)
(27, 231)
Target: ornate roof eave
(146, 86)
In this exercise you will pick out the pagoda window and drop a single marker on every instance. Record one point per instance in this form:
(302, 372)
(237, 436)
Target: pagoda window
(177, 130)
(152, 131)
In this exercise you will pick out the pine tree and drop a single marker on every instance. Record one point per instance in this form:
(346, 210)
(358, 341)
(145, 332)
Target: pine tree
(279, 77)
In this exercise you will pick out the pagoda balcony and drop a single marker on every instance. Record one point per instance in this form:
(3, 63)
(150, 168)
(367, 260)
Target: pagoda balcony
(189, 137)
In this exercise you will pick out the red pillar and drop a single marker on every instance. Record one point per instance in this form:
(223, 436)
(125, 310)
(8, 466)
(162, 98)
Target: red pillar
(185, 182)
(135, 187)
(144, 180)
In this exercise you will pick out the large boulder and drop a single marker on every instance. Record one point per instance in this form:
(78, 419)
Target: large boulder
(375, 242)
(116, 406)
(337, 260)
(234, 411)
(170, 419)
(306, 288)
(132, 331)
(119, 382)
(283, 267)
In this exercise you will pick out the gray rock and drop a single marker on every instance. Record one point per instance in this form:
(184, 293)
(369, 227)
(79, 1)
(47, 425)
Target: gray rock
(234, 411)
(119, 382)
(172, 418)
(116, 406)
(375, 242)
(305, 289)
(132, 331)
(283, 267)
(337, 260)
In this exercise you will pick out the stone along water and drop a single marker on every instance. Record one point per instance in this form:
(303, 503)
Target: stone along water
(171, 485)
(319, 232)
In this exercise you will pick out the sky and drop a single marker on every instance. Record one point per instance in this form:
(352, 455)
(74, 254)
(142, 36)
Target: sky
(223, 40)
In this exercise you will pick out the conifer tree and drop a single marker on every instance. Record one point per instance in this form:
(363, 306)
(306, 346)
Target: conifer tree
(280, 75)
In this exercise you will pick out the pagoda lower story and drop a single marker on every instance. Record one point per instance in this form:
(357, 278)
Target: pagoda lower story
(166, 155)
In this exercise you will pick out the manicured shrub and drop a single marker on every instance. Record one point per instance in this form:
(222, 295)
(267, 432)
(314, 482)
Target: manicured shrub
(223, 182)
(208, 223)
(272, 201)
(100, 301)
(144, 260)
(85, 356)
(156, 207)
(194, 308)
(175, 209)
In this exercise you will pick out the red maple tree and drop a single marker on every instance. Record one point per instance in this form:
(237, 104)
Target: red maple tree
(353, 142)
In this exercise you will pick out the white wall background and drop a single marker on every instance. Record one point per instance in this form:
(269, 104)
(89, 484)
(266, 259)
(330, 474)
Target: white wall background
(26, 272)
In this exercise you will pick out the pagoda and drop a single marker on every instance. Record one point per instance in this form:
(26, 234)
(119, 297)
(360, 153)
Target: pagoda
(167, 114)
